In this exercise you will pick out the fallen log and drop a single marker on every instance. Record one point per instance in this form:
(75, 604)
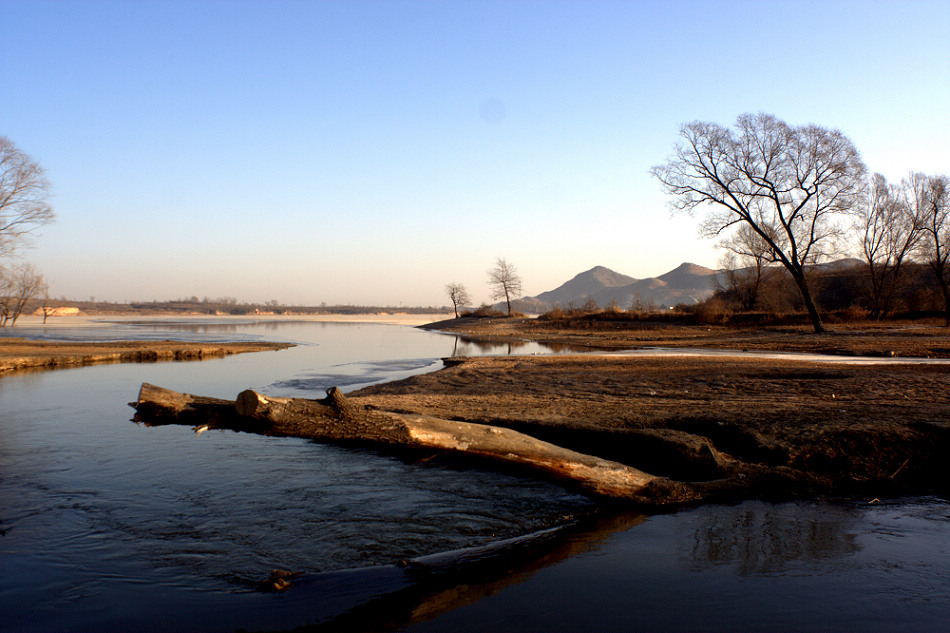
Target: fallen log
(336, 418)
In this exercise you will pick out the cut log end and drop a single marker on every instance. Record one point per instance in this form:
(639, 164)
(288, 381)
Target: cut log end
(248, 402)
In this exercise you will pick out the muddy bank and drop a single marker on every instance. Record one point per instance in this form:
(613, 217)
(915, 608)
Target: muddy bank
(24, 355)
(773, 427)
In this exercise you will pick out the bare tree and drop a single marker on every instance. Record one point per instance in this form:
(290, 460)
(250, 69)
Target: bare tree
(24, 191)
(504, 281)
(17, 287)
(889, 222)
(786, 183)
(458, 295)
(48, 310)
(933, 198)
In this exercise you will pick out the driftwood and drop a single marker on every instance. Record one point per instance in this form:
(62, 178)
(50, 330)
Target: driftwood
(336, 418)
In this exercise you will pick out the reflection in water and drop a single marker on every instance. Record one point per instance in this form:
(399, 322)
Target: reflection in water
(764, 539)
(750, 572)
(472, 346)
(430, 586)
(467, 346)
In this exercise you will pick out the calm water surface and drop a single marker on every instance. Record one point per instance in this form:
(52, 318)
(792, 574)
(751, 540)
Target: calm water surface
(107, 525)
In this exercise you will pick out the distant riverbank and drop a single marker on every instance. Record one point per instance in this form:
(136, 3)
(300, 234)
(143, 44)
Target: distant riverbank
(923, 339)
(23, 354)
(18, 354)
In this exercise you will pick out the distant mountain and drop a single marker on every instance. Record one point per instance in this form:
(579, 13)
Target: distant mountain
(688, 283)
(841, 264)
(586, 284)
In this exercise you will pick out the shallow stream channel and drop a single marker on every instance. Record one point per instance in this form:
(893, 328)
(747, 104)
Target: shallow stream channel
(106, 525)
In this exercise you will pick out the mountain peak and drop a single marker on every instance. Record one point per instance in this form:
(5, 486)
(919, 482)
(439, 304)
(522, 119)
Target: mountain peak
(585, 284)
(686, 275)
(605, 276)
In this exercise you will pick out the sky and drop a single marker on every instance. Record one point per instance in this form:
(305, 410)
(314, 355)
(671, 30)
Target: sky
(369, 153)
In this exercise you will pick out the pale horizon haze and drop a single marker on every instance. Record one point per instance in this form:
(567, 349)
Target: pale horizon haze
(369, 153)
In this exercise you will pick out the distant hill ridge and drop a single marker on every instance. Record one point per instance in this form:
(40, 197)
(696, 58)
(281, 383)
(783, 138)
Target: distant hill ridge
(687, 283)
(585, 284)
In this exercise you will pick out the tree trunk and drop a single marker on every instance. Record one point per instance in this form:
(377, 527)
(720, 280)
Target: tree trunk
(943, 280)
(337, 418)
(809, 303)
(946, 302)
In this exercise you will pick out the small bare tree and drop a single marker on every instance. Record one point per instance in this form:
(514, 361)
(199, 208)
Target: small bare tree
(17, 287)
(48, 310)
(504, 281)
(744, 266)
(458, 295)
(889, 223)
(933, 198)
(24, 192)
(636, 303)
(786, 183)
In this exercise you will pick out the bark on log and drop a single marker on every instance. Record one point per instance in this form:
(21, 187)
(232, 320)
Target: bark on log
(337, 418)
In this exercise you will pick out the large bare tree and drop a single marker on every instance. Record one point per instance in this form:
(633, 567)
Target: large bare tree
(458, 295)
(504, 281)
(24, 195)
(889, 223)
(787, 183)
(933, 198)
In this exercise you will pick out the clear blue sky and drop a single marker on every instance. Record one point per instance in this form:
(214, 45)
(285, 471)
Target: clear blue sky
(371, 152)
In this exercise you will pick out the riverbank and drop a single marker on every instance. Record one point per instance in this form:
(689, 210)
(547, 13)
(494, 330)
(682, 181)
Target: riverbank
(17, 354)
(921, 339)
(783, 426)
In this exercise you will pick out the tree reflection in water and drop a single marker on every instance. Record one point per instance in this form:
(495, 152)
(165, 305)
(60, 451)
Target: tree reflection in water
(759, 538)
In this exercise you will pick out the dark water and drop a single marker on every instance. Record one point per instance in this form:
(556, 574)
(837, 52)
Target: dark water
(106, 525)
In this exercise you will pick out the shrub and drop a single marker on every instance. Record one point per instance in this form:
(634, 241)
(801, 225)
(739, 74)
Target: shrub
(554, 314)
(485, 312)
(711, 312)
(850, 314)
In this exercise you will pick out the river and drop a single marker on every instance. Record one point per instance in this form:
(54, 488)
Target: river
(107, 525)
